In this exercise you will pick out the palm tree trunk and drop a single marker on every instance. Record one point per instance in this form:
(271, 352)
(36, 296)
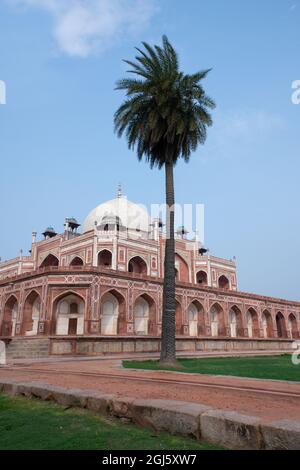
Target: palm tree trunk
(168, 344)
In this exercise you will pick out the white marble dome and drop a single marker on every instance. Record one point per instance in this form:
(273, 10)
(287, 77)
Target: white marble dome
(126, 213)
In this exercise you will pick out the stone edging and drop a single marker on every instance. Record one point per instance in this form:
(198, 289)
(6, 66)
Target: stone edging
(224, 428)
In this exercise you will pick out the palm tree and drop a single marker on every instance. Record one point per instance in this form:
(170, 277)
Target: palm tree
(165, 117)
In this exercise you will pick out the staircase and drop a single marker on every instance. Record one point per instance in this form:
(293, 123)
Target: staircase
(27, 348)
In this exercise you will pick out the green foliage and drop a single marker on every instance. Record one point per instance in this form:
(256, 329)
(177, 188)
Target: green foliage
(265, 367)
(165, 115)
(36, 425)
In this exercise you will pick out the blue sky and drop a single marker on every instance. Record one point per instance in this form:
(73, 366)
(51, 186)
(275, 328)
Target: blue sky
(59, 156)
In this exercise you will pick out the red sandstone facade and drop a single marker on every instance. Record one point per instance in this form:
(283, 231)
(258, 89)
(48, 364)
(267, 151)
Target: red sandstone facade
(107, 283)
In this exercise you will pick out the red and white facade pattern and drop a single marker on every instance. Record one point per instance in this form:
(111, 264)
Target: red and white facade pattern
(108, 282)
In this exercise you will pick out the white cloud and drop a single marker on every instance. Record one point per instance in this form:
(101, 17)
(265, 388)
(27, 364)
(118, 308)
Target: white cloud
(235, 132)
(85, 27)
(248, 123)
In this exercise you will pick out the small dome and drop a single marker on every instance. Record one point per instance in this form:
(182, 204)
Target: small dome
(49, 232)
(119, 210)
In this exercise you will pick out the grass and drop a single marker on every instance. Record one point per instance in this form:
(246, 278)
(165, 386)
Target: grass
(260, 367)
(35, 425)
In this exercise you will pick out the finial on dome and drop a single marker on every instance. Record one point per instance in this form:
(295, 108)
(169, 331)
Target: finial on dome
(119, 193)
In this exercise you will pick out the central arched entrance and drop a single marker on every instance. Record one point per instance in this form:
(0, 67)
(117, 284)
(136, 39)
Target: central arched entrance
(70, 315)
(31, 315)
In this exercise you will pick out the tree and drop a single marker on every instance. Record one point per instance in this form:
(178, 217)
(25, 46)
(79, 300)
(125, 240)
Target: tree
(165, 117)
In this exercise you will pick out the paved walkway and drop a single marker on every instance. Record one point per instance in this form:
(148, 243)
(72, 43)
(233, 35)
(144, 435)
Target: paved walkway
(269, 400)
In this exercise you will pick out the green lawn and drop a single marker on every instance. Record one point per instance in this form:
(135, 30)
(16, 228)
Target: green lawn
(267, 367)
(35, 425)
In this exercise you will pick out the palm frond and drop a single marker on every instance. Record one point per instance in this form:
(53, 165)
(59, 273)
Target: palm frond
(166, 113)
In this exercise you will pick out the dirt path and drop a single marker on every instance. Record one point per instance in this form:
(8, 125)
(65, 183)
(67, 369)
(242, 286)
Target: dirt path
(270, 400)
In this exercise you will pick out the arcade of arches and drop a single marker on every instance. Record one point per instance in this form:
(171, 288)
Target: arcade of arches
(69, 316)
(137, 265)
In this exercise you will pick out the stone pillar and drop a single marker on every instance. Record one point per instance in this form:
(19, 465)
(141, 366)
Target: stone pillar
(207, 317)
(226, 320)
(209, 282)
(94, 313)
(114, 261)
(2, 353)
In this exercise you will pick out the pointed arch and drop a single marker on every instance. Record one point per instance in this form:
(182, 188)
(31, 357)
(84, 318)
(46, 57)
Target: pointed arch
(281, 326)
(223, 282)
(50, 261)
(217, 319)
(149, 315)
(137, 265)
(113, 313)
(77, 261)
(252, 323)
(105, 259)
(182, 268)
(178, 318)
(9, 320)
(68, 292)
(66, 319)
(31, 314)
(293, 326)
(196, 309)
(267, 324)
(236, 322)
(201, 278)
(141, 316)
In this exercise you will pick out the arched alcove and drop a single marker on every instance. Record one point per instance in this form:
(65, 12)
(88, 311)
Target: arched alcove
(137, 265)
(31, 314)
(50, 261)
(69, 315)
